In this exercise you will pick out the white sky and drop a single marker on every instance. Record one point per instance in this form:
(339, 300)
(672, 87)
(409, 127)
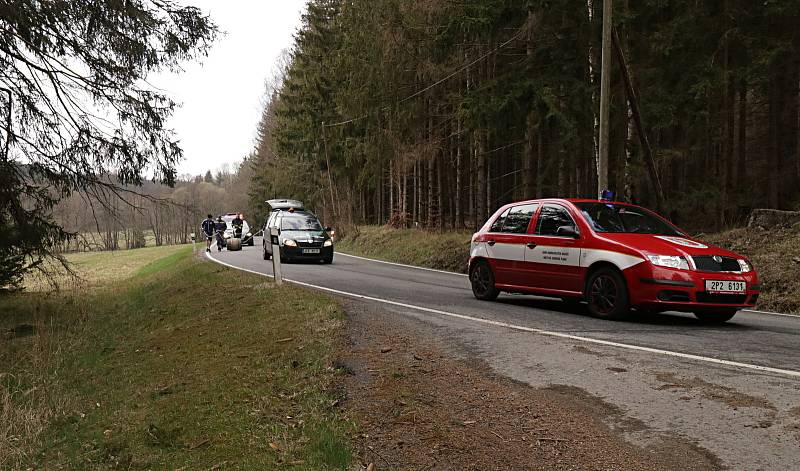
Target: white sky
(220, 99)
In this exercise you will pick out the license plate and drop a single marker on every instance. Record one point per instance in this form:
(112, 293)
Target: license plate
(715, 286)
(310, 250)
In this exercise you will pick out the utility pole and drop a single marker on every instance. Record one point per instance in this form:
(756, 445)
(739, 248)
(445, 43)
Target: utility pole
(605, 99)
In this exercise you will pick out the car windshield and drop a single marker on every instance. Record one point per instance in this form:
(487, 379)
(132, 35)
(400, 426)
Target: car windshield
(300, 222)
(617, 218)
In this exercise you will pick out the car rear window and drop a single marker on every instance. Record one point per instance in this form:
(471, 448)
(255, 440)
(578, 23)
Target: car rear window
(518, 219)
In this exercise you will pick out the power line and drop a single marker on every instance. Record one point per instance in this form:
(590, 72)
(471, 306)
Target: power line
(438, 82)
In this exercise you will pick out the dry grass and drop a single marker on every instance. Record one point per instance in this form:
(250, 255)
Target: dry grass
(776, 256)
(441, 250)
(95, 269)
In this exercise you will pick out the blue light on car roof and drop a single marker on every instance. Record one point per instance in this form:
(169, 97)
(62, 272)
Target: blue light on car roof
(607, 195)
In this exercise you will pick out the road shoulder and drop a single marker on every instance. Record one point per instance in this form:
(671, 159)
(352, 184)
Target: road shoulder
(424, 401)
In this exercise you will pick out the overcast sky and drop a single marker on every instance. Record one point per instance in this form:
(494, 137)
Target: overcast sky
(221, 98)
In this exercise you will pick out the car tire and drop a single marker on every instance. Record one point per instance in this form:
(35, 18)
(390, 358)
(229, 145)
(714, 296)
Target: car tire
(481, 278)
(327, 260)
(716, 317)
(264, 253)
(607, 294)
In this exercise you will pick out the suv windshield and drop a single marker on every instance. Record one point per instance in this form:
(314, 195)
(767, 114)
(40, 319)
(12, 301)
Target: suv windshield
(617, 218)
(300, 222)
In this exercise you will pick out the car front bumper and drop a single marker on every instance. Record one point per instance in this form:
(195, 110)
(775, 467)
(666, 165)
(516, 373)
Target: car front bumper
(296, 253)
(666, 289)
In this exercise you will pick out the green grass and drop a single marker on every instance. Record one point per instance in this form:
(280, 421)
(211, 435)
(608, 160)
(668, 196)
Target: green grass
(441, 250)
(182, 363)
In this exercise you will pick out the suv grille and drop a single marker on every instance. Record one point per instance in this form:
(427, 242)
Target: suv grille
(707, 263)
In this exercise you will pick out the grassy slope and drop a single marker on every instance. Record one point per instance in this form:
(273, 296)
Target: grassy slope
(445, 251)
(773, 253)
(185, 363)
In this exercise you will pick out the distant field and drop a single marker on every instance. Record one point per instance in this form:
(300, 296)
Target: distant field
(98, 268)
(164, 361)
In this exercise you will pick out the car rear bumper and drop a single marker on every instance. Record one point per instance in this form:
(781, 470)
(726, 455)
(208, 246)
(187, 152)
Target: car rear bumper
(667, 289)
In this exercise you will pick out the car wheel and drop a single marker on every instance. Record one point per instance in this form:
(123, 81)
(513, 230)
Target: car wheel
(327, 260)
(482, 280)
(264, 253)
(716, 317)
(607, 294)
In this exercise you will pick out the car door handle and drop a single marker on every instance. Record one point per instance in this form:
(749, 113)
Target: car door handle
(531, 245)
(491, 242)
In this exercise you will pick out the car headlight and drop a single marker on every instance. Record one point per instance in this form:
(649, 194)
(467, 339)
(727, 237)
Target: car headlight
(327, 243)
(249, 234)
(290, 243)
(669, 261)
(745, 266)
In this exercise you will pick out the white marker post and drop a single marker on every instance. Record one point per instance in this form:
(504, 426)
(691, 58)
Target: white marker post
(194, 242)
(276, 254)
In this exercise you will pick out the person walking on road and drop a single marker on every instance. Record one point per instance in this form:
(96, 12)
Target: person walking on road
(208, 230)
(219, 228)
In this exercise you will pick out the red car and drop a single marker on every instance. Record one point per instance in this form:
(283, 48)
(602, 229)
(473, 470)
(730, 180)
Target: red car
(615, 256)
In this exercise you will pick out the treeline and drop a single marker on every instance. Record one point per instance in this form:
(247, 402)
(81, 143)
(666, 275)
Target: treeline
(126, 217)
(436, 112)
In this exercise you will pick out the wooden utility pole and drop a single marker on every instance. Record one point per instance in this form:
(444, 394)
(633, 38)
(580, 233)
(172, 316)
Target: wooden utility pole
(605, 98)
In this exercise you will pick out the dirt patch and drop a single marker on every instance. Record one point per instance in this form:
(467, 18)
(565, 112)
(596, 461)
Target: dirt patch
(711, 391)
(420, 406)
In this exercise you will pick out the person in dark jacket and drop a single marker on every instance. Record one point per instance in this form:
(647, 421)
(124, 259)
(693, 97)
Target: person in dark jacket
(237, 223)
(208, 228)
(220, 230)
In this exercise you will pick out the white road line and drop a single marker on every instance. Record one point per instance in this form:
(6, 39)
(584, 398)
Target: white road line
(687, 356)
(462, 274)
(401, 264)
(771, 313)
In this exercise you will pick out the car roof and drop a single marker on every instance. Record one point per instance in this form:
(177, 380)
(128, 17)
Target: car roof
(284, 204)
(566, 200)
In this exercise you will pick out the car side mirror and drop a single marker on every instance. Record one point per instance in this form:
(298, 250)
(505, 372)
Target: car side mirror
(568, 231)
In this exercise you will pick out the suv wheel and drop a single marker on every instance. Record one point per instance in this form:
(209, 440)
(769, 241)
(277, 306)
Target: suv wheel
(607, 294)
(482, 280)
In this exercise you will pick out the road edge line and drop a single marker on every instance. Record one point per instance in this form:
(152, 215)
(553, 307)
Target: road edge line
(686, 356)
(446, 272)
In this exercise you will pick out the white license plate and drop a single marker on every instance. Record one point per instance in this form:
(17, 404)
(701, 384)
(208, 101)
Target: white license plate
(310, 250)
(716, 286)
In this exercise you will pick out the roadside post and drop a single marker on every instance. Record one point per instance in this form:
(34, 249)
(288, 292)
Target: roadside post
(276, 254)
(194, 242)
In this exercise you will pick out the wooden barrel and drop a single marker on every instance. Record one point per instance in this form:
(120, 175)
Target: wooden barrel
(234, 243)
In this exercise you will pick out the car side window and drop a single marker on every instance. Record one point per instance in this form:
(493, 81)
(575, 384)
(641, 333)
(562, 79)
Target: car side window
(497, 226)
(518, 219)
(551, 218)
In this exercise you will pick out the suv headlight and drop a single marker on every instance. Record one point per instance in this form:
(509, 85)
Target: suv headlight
(669, 261)
(327, 243)
(745, 266)
(290, 243)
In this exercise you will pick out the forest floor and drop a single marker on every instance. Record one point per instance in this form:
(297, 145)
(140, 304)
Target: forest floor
(775, 254)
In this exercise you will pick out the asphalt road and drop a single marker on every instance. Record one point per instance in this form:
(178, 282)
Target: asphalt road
(732, 389)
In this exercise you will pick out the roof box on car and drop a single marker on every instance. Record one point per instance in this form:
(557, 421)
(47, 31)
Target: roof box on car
(284, 204)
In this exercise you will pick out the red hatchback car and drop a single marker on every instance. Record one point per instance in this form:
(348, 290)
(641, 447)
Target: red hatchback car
(615, 256)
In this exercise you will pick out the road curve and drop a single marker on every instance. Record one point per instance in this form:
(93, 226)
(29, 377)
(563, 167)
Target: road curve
(680, 376)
